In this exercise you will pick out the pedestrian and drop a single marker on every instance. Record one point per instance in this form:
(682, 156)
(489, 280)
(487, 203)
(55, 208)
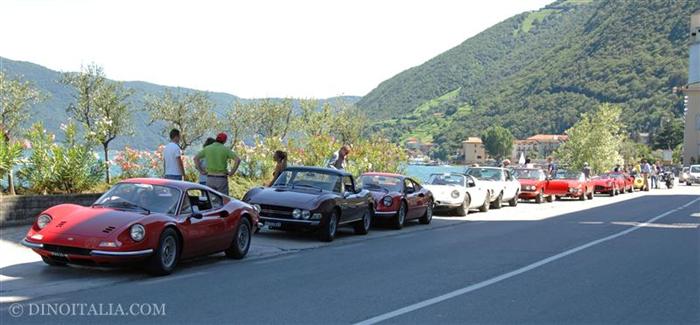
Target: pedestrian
(586, 170)
(203, 163)
(217, 156)
(617, 168)
(173, 167)
(280, 158)
(338, 161)
(505, 163)
(646, 172)
(528, 163)
(551, 167)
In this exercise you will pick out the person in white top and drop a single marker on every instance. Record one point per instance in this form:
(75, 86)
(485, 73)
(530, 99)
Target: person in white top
(172, 158)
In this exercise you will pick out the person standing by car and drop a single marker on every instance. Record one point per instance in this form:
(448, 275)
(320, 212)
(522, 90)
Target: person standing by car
(203, 163)
(586, 170)
(645, 171)
(280, 158)
(551, 167)
(217, 157)
(338, 161)
(173, 167)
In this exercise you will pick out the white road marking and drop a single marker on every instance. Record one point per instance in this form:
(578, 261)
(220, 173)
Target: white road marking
(483, 284)
(170, 278)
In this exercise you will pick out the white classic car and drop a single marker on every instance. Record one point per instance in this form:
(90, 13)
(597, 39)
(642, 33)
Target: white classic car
(458, 192)
(500, 182)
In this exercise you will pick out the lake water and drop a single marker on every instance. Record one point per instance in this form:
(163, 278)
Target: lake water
(421, 173)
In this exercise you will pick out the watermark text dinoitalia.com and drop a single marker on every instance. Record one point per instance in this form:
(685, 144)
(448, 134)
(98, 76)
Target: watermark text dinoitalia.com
(87, 309)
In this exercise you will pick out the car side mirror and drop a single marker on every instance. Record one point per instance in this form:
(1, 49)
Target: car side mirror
(195, 213)
(410, 191)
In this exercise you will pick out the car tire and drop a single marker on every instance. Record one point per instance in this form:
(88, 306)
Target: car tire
(498, 203)
(485, 207)
(428, 216)
(241, 240)
(400, 218)
(330, 227)
(557, 197)
(613, 192)
(590, 196)
(164, 259)
(514, 201)
(540, 197)
(550, 198)
(464, 209)
(51, 262)
(362, 227)
(689, 184)
(583, 197)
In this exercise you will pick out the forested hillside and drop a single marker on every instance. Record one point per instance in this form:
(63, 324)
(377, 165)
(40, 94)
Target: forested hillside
(57, 97)
(538, 71)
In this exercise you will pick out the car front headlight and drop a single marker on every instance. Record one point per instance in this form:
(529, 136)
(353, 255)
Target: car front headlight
(530, 188)
(454, 194)
(573, 189)
(306, 214)
(296, 213)
(387, 201)
(43, 220)
(257, 208)
(137, 232)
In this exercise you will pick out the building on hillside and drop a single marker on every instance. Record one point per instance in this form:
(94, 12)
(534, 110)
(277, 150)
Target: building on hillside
(416, 147)
(540, 145)
(691, 133)
(473, 151)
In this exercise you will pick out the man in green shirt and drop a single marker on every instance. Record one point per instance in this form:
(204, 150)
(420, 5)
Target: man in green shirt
(217, 156)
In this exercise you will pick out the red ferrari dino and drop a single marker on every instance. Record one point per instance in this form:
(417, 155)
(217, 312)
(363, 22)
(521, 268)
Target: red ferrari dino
(152, 222)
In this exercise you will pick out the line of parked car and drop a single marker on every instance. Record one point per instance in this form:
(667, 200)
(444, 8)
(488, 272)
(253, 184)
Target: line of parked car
(156, 222)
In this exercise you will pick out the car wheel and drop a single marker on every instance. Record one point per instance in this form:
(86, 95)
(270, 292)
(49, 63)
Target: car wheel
(241, 240)
(582, 197)
(362, 226)
(330, 227)
(540, 197)
(428, 216)
(400, 217)
(689, 184)
(613, 192)
(51, 262)
(498, 203)
(164, 259)
(485, 207)
(514, 201)
(557, 197)
(464, 209)
(590, 196)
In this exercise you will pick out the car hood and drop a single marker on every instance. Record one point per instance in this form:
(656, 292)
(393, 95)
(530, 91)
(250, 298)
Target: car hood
(378, 195)
(441, 191)
(88, 221)
(288, 197)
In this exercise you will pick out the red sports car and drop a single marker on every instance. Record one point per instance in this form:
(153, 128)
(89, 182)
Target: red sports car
(566, 183)
(533, 184)
(398, 198)
(610, 183)
(154, 222)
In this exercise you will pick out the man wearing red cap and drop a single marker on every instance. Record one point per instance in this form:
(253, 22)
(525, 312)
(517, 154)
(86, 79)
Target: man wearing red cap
(217, 156)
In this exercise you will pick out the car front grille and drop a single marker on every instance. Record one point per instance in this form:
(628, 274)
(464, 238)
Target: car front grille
(67, 250)
(275, 211)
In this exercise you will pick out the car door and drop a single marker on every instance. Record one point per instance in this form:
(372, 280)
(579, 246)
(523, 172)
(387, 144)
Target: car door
(476, 192)
(510, 184)
(411, 198)
(205, 233)
(352, 200)
(422, 199)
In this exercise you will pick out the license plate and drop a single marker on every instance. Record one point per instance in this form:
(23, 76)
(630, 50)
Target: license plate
(273, 224)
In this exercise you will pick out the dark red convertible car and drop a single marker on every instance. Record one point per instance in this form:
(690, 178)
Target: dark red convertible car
(567, 183)
(533, 184)
(154, 222)
(612, 184)
(398, 198)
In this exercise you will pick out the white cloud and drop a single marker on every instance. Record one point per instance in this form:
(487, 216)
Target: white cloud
(301, 48)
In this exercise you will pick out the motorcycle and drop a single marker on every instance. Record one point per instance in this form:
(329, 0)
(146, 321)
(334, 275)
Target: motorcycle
(668, 178)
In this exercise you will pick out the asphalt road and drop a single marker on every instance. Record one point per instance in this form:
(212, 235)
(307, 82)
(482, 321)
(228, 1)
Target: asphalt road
(634, 259)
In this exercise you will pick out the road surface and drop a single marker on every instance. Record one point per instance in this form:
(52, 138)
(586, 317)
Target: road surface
(634, 258)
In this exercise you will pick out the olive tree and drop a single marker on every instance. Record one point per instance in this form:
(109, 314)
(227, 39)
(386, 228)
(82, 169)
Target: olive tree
(100, 106)
(190, 112)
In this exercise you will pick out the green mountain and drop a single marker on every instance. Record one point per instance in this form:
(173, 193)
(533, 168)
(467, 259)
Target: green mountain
(538, 71)
(52, 111)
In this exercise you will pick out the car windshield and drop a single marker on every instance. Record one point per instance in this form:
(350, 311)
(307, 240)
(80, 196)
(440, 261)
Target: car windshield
(486, 174)
(566, 174)
(142, 197)
(528, 173)
(379, 182)
(447, 179)
(695, 169)
(309, 178)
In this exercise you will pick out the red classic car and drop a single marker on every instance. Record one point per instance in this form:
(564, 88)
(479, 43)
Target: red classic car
(154, 222)
(566, 183)
(533, 184)
(611, 183)
(398, 198)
